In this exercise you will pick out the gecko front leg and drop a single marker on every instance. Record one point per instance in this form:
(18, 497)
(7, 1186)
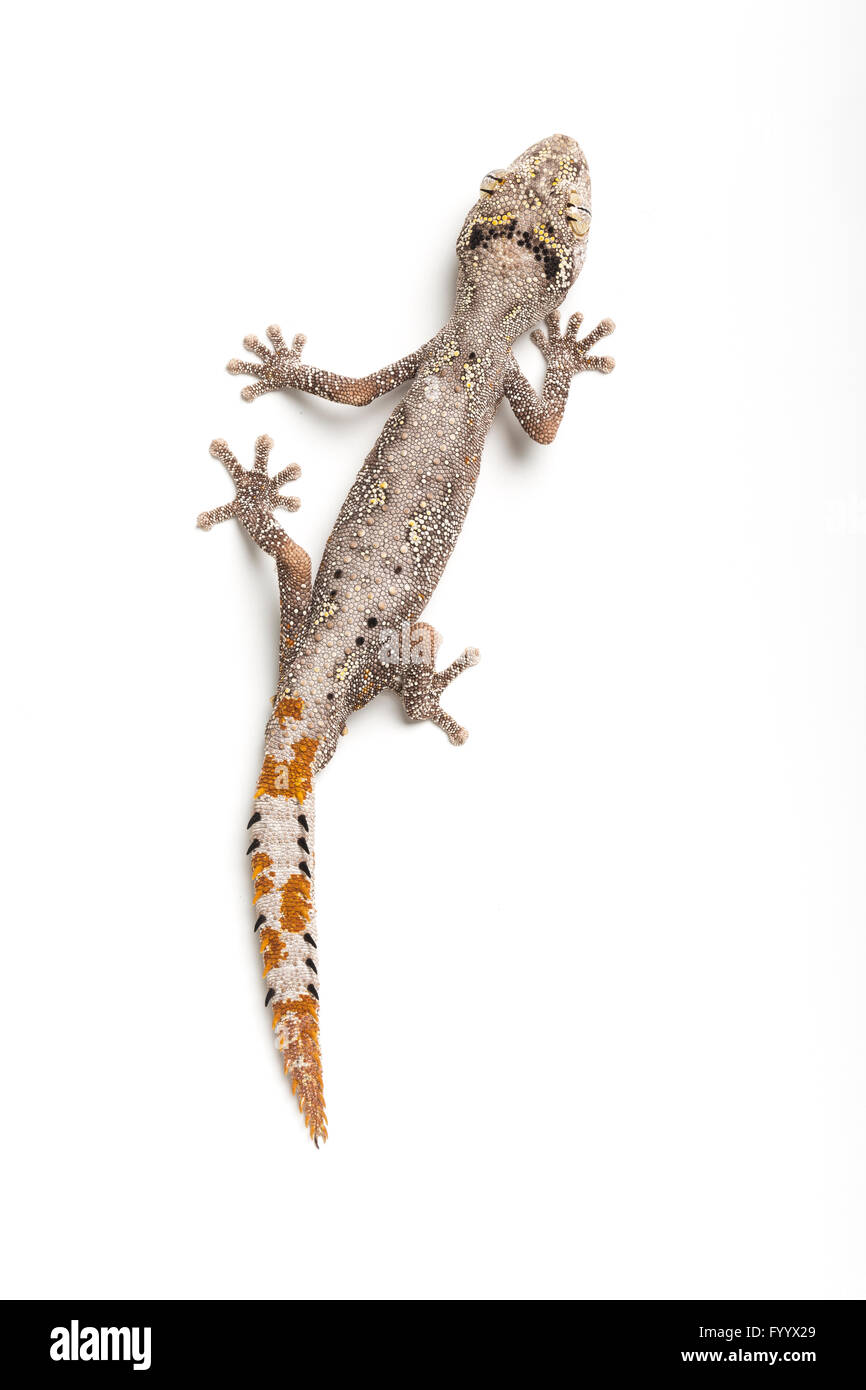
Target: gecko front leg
(421, 685)
(256, 498)
(565, 355)
(280, 368)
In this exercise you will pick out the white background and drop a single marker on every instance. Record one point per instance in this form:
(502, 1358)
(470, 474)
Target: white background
(600, 1034)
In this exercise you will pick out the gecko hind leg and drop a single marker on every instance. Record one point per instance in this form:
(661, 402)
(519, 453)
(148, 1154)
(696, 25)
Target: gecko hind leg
(257, 496)
(421, 685)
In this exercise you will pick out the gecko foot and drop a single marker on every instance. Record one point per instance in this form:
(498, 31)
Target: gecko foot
(256, 495)
(276, 365)
(421, 685)
(567, 351)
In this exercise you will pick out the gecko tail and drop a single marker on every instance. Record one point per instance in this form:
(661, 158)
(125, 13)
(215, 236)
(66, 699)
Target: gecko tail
(281, 853)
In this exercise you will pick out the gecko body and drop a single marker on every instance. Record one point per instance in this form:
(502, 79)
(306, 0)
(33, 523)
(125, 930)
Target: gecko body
(357, 629)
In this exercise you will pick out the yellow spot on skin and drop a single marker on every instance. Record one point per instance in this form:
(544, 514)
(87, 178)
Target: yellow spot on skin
(295, 903)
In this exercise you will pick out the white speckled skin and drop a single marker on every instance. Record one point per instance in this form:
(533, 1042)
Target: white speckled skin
(519, 251)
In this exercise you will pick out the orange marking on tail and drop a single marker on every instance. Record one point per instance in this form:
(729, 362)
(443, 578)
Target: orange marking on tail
(295, 903)
(260, 861)
(272, 948)
(284, 1008)
(290, 707)
(262, 886)
(298, 1021)
(294, 779)
(300, 775)
(273, 778)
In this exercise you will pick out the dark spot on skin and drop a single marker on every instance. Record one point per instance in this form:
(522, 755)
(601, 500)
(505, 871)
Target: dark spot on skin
(398, 569)
(372, 622)
(269, 996)
(359, 641)
(330, 695)
(338, 574)
(252, 820)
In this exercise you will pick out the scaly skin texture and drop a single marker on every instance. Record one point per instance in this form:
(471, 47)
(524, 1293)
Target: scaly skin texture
(519, 251)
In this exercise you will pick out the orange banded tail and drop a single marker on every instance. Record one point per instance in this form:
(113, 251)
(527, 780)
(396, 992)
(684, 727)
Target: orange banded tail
(281, 860)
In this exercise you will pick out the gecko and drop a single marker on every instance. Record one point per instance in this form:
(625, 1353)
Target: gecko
(357, 629)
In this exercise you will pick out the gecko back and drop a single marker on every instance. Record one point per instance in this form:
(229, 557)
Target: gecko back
(358, 630)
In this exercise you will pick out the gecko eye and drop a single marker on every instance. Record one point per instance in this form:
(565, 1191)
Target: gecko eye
(577, 216)
(492, 181)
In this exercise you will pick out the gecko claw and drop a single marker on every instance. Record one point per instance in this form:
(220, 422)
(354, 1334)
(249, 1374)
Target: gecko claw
(568, 352)
(456, 732)
(277, 365)
(421, 687)
(257, 495)
(206, 520)
(254, 344)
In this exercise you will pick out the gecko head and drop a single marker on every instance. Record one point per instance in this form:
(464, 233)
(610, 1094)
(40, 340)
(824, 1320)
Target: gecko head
(530, 225)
